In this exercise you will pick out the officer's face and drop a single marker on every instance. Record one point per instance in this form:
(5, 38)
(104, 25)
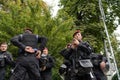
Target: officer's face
(3, 47)
(45, 51)
(78, 36)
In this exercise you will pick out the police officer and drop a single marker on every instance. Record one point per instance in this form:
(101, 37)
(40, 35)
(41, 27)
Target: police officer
(47, 63)
(29, 52)
(64, 68)
(5, 59)
(78, 54)
(100, 64)
(66, 51)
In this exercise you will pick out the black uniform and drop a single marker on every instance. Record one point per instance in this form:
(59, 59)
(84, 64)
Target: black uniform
(64, 69)
(77, 69)
(49, 63)
(96, 60)
(27, 66)
(5, 59)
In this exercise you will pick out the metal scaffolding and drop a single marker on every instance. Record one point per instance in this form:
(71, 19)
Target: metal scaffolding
(108, 38)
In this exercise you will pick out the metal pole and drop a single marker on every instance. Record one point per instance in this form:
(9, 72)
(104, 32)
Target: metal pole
(111, 50)
(107, 54)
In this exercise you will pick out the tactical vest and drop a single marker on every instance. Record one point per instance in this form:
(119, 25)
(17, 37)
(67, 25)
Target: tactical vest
(2, 60)
(81, 61)
(30, 40)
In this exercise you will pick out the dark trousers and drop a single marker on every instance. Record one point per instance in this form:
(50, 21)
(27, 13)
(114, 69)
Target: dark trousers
(82, 77)
(27, 68)
(100, 75)
(2, 73)
(46, 76)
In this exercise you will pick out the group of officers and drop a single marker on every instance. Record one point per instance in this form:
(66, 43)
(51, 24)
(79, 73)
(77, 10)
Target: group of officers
(34, 62)
(81, 62)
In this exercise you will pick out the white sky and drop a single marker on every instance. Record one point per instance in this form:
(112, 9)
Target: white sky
(54, 4)
(118, 32)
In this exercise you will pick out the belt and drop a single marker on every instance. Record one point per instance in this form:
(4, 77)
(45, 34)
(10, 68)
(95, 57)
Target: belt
(27, 54)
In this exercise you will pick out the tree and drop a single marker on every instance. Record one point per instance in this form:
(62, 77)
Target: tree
(15, 15)
(86, 16)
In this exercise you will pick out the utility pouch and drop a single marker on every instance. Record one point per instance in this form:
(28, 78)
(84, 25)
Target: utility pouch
(85, 63)
(84, 67)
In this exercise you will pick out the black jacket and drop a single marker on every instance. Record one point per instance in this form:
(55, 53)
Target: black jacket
(49, 64)
(27, 39)
(7, 59)
(83, 51)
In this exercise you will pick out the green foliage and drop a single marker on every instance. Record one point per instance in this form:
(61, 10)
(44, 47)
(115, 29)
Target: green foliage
(115, 77)
(118, 57)
(87, 17)
(15, 15)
